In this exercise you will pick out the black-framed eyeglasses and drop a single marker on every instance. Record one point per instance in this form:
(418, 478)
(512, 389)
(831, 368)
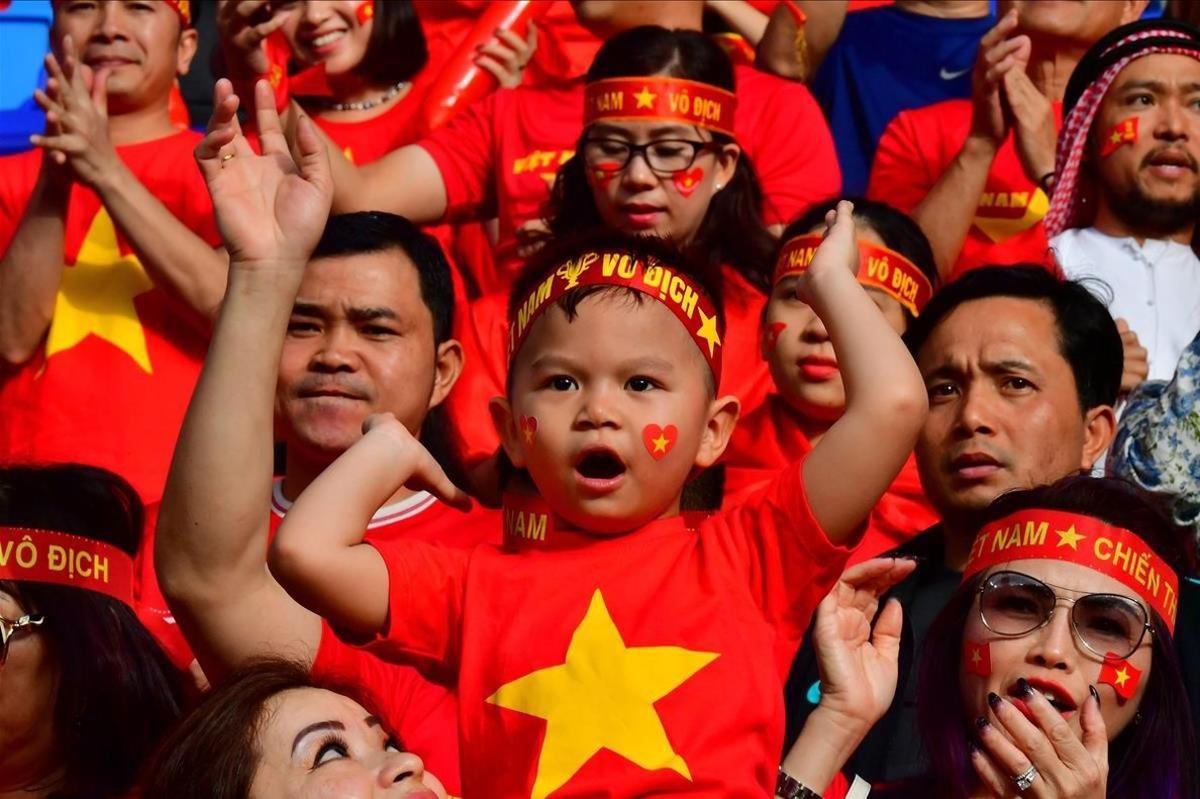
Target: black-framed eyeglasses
(661, 155)
(1012, 604)
(10, 628)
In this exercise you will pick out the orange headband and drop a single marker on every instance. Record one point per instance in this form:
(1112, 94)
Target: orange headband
(667, 99)
(181, 7)
(690, 304)
(1058, 535)
(45, 556)
(878, 267)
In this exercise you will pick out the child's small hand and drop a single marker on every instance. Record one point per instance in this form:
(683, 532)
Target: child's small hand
(837, 255)
(425, 473)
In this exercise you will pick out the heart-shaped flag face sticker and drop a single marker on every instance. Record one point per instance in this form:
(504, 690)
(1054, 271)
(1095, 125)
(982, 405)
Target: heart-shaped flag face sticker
(604, 172)
(773, 331)
(688, 181)
(659, 440)
(528, 428)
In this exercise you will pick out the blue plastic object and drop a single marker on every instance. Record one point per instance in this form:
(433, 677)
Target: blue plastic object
(24, 40)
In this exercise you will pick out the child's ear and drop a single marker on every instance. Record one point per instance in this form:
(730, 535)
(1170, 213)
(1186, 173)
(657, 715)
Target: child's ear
(722, 417)
(506, 428)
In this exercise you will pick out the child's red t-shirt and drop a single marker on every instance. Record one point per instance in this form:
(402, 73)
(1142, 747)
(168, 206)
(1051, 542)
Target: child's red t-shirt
(768, 439)
(917, 147)
(109, 384)
(500, 156)
(483, 332)
(644, 663)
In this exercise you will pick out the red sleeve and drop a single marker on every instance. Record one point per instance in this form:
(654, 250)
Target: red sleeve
(423, 714)
(791, 149)
(426, 592)
(788, 561)
(464, 151)
(482, 334)
(901, 174)
(16, 189)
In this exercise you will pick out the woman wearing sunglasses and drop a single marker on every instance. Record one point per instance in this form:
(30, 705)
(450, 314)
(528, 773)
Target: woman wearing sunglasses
(85, 691)
(1050, 673)
(658, 157)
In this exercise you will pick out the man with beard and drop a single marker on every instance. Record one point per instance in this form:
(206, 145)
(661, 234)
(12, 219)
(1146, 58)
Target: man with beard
(1127, 187)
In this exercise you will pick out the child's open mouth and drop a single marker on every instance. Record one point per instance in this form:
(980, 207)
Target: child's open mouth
(599, 470)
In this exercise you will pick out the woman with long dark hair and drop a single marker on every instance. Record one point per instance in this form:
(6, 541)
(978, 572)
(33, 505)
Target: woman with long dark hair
(657, 156)
(1052, 671)
(272, 731)
(85, 691)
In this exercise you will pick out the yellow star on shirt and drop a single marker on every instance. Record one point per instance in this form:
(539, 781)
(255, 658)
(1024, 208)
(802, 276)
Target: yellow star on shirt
(1122, 677)
(645, 98)
(660, 443)
(708, 332)
(96, 295)
(1069, 538)
(602, 697)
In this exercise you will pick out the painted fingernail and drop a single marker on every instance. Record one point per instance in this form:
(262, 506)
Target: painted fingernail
(1095, 694)
(1024, 688)
(972, 746)
(982, 722)
(994, 700)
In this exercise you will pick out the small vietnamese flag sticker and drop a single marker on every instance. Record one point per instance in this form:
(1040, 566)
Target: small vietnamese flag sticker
(659, 440)
(1121, 133)
(365, 11)
(1121, 675)
(977, 657)
(687, 181)
(528, 428)
(773, 331)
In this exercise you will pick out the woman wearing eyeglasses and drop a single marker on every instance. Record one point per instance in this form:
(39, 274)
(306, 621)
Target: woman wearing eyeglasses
(657, 156)
(1050, 673)
(85, 691)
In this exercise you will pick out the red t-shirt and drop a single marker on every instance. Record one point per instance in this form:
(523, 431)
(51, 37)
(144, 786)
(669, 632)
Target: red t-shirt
(768, 439)
(483, 331)
(918, 145)
(501, 155)
(638, 664)
(110, 383)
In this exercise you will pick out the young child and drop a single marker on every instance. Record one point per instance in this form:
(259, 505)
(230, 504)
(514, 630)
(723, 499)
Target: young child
(896, 267)
(614, 647)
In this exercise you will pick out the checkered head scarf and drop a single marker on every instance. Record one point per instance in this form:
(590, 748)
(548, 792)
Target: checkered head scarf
(1090, 81)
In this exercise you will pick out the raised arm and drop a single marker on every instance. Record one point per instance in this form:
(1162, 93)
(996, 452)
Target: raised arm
(177, 259)
(211, 544)
(319, 556)
(854, 463)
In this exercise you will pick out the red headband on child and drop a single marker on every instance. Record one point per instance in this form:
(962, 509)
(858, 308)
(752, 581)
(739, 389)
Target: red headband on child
(687, 300)
(878, 267)
(181, 7)
(45, 556)
(1039, 534)
(666, 99)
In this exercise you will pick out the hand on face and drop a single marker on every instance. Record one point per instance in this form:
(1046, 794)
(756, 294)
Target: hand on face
(76, 106)
(269, 209)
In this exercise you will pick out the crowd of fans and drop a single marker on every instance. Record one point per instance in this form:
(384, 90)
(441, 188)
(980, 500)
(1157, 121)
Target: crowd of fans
(532, 398)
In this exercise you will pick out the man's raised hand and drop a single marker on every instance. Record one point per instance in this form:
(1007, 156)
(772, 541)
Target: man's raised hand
(269, 208)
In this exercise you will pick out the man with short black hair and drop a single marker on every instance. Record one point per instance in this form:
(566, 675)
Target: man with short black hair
(1023, 371)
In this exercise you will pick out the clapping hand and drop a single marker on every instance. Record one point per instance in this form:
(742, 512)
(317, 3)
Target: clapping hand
(269, 208)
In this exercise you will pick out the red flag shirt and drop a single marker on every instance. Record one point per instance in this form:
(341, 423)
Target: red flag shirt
(766, 440)
(501, 155)
(111, 381)
(618, 666)
(918, 146)
(483, 331)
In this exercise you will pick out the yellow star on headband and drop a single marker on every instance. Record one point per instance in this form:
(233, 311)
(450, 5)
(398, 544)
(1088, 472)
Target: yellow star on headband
(95, 297)
(708, 332)
(645, 98)
(1069, 538)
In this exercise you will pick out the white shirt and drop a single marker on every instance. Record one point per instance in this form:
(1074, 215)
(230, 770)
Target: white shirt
(1155, 287)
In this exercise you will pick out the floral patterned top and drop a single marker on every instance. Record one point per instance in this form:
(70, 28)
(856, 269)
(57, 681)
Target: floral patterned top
(1158, 441)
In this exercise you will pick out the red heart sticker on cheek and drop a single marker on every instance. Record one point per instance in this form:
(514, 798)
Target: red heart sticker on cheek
(773, 331)
(659, 440)
(688, 182)
(528, 428)
(604, 172)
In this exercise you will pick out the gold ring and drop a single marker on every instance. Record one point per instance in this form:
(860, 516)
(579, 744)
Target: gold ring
(227, 157)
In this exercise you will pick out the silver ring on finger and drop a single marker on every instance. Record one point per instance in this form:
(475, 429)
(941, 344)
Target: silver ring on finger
(1025, 779)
